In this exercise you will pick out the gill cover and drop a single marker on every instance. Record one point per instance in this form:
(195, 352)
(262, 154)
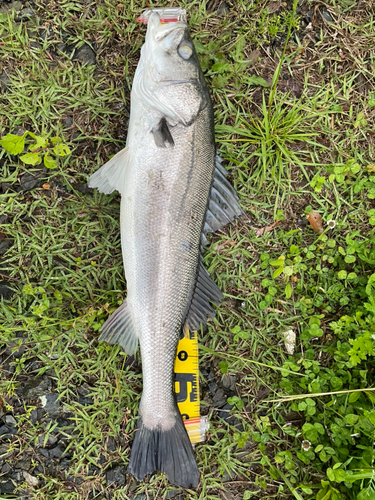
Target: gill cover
(168, 77)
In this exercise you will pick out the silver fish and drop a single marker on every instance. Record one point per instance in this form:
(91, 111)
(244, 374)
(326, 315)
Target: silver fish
(173, 192)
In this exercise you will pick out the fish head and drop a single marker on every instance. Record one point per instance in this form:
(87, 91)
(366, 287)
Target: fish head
(169, 52)
(169, 78)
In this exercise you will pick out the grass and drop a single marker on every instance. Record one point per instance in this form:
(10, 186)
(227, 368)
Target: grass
(282, 141)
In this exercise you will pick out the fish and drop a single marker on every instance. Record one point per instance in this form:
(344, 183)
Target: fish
(174, 191)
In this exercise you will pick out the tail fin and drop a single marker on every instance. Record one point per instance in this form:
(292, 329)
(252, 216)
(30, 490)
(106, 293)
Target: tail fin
(169, 452)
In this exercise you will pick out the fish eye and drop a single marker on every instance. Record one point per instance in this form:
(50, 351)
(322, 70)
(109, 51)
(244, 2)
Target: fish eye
(185, 51)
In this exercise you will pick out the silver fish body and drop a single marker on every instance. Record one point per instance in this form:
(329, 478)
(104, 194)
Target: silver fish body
(166, 177)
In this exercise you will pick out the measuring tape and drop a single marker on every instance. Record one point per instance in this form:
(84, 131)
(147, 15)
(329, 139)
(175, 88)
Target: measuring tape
(187, 387)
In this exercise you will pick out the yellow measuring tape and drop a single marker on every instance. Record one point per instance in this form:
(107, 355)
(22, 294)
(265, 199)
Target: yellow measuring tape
(187, 387)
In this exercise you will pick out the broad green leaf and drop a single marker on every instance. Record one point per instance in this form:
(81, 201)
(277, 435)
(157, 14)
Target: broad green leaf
(288, 291)
(342, 275)
(279, 262)
(257, 81)
(14, 144)
(366, 494)
(288, 270)
(223, 365)
(49, 162)
(40, 142)
(61, 150)
(31, 159)
(278, 272)
(354, 396)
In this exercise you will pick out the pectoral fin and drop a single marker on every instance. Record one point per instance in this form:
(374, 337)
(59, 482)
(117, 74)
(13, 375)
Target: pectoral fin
(162, 135)
(111, 176)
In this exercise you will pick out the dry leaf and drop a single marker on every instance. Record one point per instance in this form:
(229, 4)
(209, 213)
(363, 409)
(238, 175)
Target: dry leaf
(46, 186)
(316, 222)
(267, 228)
(253, 57)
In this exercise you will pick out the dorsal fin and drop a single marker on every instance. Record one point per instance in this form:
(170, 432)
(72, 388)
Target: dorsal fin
(111, 176)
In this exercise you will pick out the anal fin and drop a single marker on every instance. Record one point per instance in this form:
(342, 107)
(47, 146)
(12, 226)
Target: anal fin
(119, 329)
(204, 292)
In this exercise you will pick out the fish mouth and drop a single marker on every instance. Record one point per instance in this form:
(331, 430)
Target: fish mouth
(165, 33)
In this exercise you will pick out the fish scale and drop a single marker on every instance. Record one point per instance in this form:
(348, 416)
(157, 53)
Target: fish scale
(173, 192)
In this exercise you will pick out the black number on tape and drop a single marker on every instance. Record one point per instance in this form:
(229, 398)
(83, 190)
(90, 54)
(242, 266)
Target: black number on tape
(182, 394)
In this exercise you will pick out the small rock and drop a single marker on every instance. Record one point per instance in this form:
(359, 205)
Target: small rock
(225, 413)
(85, 401)
(85, 55)
(47, 33)
(7, 431)
(50, 403)
(219, 398)
(228, 476)
(82, 188)
(5, 290)
(35, 45)
(63, 47)
(10, 420)
(7, 9)
(30, 480)
(36, 415)
(56, 452)
(4, 429)
(223, 9)
(52, 440)
(67, 121)
(35, 387)
(28, 182)
(290, 341)
(172, 493)
(111, 444)
(116, 475)
(24, 464)
(25, 14)
(65, 463)
(229, 382)
(212, 386)
(7, 488)
(326, 15)
(44, 452)
(4, 81)
(15, 350)
(6, 468)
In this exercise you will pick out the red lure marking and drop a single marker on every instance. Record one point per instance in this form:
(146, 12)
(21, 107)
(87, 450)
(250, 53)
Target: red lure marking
(144, 20)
